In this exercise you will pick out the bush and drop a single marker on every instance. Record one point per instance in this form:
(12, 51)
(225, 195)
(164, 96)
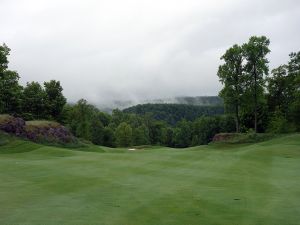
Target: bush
(278, 124)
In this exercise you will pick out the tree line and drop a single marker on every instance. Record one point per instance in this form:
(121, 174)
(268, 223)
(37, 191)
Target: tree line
(33, 101)
(37, 102)
(257, 99)
(253, 100)
(121, 129)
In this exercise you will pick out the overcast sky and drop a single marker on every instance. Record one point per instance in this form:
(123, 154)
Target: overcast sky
(105, 50)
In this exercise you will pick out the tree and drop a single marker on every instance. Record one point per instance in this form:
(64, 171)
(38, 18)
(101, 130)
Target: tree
(80, 118)
(280, 93)
(55, 99)
(231, 75)
(182, 134)
(108, 137)
(256, 67)
(33, 101)
(123, 135)
(204, 129)
(226, 123)
(294, 74)
(97, 132)
(278, 123)
(9, 85)
(11, 91)
(157, 132)
(140, 135)
(4, 53)
(105, 118)
(169, 137)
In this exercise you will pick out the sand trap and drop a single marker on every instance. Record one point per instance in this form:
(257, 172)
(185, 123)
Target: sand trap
(131, 149)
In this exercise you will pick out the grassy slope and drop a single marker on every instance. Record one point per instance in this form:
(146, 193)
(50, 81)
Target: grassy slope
(218, 184)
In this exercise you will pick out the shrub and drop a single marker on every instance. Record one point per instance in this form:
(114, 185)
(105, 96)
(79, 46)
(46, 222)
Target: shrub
(279, 124)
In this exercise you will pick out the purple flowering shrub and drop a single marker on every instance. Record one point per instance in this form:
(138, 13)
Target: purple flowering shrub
(38, 131)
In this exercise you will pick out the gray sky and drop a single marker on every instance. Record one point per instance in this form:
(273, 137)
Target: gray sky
(105, 50)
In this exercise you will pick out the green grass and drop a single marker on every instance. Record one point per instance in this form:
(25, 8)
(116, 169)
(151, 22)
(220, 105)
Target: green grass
(224, 184)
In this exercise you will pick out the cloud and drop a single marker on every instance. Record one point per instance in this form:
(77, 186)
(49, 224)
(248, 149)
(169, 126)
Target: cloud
(139, 49)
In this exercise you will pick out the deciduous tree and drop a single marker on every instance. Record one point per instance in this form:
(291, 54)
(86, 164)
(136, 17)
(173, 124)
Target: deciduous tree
(256, 67)
(232, 76)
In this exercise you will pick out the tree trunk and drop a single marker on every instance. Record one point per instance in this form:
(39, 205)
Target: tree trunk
(237, 102)
(255, 100)
(237, 119)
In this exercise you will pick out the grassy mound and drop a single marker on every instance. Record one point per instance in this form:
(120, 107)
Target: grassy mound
(246, 184)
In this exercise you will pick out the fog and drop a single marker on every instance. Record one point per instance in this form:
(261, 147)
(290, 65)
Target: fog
(111, 50)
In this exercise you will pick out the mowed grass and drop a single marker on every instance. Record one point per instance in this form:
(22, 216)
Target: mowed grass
(223, 184)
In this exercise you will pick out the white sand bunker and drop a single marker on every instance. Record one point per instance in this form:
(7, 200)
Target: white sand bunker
(131, 149)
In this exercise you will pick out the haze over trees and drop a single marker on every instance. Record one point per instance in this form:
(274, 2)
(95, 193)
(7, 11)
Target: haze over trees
(253, 100)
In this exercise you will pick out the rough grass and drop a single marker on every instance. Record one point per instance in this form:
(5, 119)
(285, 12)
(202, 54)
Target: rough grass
(244, 184)
(41, 124)
(4, 118)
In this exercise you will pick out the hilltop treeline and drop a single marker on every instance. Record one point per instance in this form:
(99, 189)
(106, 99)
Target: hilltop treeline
(173, 113)
(254, 100)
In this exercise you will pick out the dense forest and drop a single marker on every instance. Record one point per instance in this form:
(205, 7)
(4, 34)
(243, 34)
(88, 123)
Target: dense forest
(173, 113)
(255, 101)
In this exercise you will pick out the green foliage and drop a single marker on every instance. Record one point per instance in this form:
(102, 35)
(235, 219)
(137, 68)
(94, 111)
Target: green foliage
(140, 136)
(4, 53)
(204, 130)
(80, 118)
(284, 96)
(10, 90)
(97, 132)
(175, 125)
(10, 98)
(54, 99)
(243, 75)
(33, 101)
(279, 89)
(109, 137)
(279, 124)
(182, 134)
(294, 74)
(173, 113)
(256, 68)
(123, 135)
(231, 74)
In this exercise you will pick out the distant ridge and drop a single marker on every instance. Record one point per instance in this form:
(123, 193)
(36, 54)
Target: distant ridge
(184, 100)
(173, 113)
